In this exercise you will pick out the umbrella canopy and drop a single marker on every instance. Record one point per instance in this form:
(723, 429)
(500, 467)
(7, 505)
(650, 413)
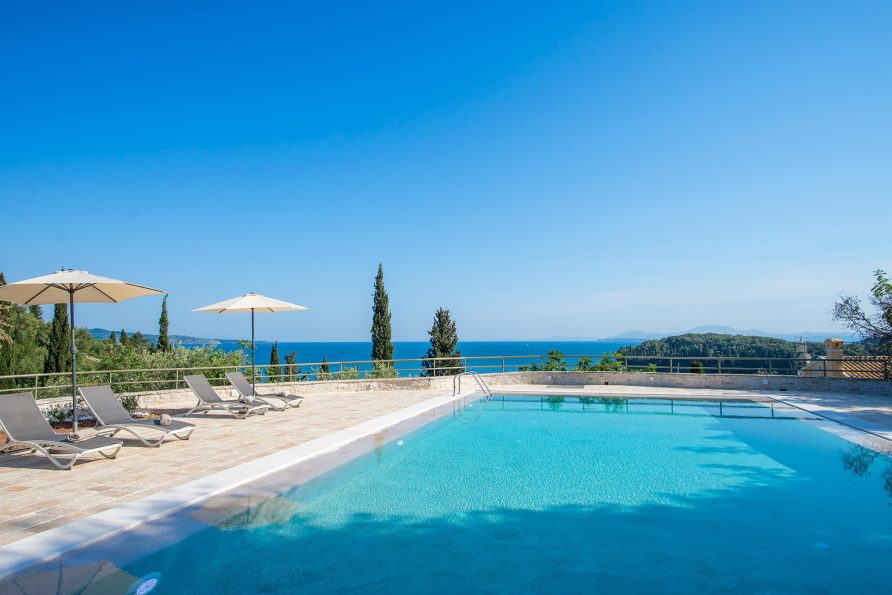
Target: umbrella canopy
(251, 302)
(58, 287)
(67, 287)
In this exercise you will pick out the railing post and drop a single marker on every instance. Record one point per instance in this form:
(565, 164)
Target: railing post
(670, 365)
(770, 370)
(719, 365)
(503, 364)
(435, 367)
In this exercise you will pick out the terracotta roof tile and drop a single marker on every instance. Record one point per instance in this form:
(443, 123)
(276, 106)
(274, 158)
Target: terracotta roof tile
(864, 367)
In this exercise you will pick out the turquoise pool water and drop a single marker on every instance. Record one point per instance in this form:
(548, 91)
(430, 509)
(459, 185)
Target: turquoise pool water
(550, 495)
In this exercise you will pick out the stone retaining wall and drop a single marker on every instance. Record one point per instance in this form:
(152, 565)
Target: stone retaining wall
(184, 399)
(181, 399)
(713, 381)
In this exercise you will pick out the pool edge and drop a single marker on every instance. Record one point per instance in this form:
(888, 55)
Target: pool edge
(52, 544)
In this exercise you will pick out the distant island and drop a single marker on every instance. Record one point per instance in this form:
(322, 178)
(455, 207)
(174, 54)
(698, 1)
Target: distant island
(102, 334)
(730, 331)
(714, 345)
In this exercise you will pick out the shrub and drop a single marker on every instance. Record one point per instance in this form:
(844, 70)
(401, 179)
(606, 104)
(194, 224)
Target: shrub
(610, 362)
(347, 373)
(554, 363)
(381, 370)
(130, 402)
(147, 377)
(584, 364)
(650, 369)
(58, 414)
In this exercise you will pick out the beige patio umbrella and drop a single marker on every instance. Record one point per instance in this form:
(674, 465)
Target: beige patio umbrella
(251, 302)
(67, 287)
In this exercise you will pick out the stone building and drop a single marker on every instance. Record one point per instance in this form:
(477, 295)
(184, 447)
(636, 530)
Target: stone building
(835, 365)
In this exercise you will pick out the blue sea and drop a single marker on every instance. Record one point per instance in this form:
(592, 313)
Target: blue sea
(313, 352)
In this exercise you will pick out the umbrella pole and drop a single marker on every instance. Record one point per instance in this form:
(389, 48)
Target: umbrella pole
(73, 364)
(253, 374)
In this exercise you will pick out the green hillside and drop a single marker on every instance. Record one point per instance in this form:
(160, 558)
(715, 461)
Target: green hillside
(102, 334)
(710, 346)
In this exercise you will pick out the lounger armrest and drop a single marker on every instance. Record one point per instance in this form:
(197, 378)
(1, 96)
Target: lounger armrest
(97, 443)
(88, 445)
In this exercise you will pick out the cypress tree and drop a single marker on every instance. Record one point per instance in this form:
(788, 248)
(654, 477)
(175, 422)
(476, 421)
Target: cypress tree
(444, 339)
(113, 339)
(58, 357)
(272, 373)
(163, 340)
(290, 359)
(125, 340)
(7, 365)
(137, 340)
(382, 347)
(36, 312)
(324, 371)
(5, 323)
(7, 356)
(5, 320)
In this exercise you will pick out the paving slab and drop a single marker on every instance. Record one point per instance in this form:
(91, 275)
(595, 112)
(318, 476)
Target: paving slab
(30, 484)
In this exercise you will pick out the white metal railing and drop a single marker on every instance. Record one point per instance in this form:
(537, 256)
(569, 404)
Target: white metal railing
(145, 379)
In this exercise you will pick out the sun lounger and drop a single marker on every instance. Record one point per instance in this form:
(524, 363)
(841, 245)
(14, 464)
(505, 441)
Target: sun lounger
(209, 400)
(25, 426)
(113, 418)
(276, 401)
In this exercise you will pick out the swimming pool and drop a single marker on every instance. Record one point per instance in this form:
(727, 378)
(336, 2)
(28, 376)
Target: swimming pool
(536, 495)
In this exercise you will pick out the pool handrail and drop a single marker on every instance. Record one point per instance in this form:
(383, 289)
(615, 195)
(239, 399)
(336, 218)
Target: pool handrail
(456, 382)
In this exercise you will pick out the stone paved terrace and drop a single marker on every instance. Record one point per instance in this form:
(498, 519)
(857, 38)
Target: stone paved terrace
(37, 497)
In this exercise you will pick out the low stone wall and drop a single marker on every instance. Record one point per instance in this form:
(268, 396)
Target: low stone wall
(713, 381)
(183, 399)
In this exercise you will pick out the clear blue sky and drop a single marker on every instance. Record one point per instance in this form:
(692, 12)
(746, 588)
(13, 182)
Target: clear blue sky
(540, 169)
